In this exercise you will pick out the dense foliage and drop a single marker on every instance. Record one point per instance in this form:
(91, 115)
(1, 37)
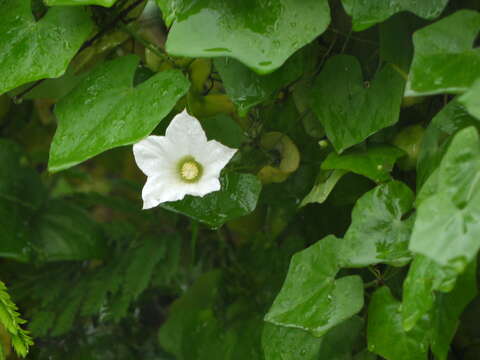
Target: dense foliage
(347, 226)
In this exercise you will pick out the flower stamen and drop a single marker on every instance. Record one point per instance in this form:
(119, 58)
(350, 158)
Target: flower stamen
(189, 169)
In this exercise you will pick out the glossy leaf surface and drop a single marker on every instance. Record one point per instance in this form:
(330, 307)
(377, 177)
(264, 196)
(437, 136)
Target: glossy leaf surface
(348, 110)
(381, 227)
(386, 336)
(366, 13)
(444, 58)
(105, 111)
(261, 34)
(237, 197)
(375, 163)
(31, 50)
(446, 229)
(311, 299)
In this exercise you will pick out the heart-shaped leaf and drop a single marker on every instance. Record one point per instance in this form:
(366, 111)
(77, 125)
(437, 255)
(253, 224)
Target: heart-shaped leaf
(350, 109)
(31, 50)
(444, 60)
(105, 111)
(366, 13)
(447, 229)
(379, 233)
(261, 34)
(311, 298)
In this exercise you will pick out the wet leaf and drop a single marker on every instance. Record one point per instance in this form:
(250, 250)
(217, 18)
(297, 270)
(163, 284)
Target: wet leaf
(31, 50)
(237, 197)
(105, 111)
(260, 34)
(375, 163)
(452, 118)
(444, 60)
(311, 298)
(385, 334)
(381, 227)
(348, 110)
(247, 89)
(366, 13)
(471, 99)
(324, 184)
(446, 229)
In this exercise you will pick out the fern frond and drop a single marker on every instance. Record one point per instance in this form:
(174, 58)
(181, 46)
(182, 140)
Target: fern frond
(10, 319)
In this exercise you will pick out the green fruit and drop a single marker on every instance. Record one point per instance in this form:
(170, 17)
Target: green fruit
(200, 70)
(210, 105)
(289, 157)
(409, 140)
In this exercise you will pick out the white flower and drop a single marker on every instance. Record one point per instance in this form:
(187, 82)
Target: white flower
(180, 163)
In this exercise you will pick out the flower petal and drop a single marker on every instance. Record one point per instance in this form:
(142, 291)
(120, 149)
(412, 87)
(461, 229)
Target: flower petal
(158, 190)
(186, 131)
(213, 157)
(156, 154)
(204, 186)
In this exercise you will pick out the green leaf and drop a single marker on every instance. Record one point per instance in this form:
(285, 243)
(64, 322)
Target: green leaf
(471, 99)
(365, 355)
(348, 111)
(262, 35)
(395, 37)
(106, 3)
(11, 321)
(385, 333)
(444, 60)
(446, 229)
(424, 277)
(247, 89)
(287, 343)
(21, 195)
(31, 50)
(324, 184)
(225, 130)
(425, 297)
(171, 9)
(338, 343)
(291, 344)
(142, 264)
(237, 197)
(447, 311)
(311, 298)
(452, 118)
(379, 232)
(375, 163)
(366, 13)
(32, 227)
(105, 111)
(62, 231)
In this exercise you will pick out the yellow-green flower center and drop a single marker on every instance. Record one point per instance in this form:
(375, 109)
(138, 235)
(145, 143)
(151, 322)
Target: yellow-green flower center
(189, 169)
